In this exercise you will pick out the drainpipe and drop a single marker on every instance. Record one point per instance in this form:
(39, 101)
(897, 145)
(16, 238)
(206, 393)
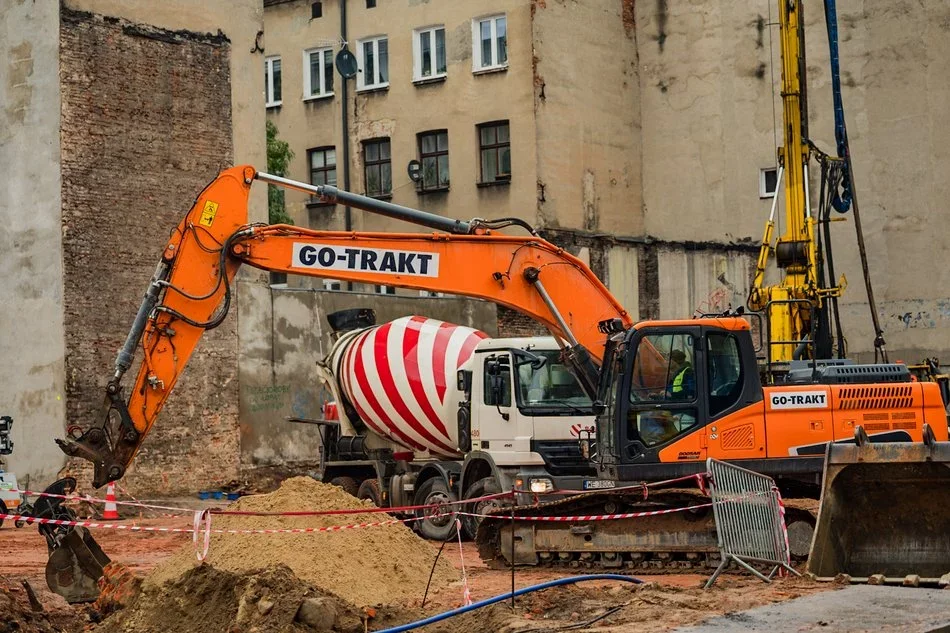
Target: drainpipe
(347, 216)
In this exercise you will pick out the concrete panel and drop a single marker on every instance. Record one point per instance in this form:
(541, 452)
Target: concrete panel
(32, 345)
(623, 278)
(694, 282)
(279, 376)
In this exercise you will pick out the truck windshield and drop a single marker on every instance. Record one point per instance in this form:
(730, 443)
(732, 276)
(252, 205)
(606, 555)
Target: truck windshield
(551, 387)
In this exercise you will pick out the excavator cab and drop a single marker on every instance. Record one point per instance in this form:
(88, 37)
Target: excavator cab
(76, 561)
(885, 511)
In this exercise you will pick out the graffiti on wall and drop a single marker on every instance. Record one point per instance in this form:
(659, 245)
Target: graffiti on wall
(915, 314)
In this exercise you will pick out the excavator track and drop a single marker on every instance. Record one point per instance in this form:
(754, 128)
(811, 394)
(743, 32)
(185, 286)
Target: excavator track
(674, 542)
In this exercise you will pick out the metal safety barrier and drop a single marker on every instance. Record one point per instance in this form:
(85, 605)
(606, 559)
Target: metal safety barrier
(750, 520)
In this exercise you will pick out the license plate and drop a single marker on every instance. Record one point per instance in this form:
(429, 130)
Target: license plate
(599, 484)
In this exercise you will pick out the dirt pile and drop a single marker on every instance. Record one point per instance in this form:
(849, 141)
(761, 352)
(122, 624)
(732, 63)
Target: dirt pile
(369, 566)
(16, 613)
(208, 600)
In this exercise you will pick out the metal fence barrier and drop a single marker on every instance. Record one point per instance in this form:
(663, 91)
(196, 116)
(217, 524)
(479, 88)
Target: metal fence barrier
(750, 520)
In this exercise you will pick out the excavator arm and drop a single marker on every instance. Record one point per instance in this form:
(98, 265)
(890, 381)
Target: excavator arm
(191, 291)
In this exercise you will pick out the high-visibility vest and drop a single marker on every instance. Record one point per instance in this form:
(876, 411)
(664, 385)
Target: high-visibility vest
(678, 381)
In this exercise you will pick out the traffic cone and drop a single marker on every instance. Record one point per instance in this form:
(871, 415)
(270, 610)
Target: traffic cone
(112, 511)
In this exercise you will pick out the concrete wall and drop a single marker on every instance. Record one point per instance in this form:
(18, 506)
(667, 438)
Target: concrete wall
(291, 335)
(32, 347)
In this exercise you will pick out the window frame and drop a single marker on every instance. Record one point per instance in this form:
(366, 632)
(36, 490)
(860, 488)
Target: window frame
(478, 65)
(382, 289)
(496, 147)
(430, 32)
(377, 163)
(269, 101)
(764, 192)
(323, 51)
(361, 85)
(314, 200)
(421, 186)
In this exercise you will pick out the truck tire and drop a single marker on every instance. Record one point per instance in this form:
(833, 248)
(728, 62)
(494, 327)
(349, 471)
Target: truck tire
(482, 487)
(348, 484)
(369, 489)
(442, 528)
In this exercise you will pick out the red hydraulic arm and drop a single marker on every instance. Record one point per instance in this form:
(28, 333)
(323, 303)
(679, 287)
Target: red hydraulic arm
(191, 292)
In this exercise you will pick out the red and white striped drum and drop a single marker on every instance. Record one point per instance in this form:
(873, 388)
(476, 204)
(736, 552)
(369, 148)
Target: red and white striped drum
(400, 378)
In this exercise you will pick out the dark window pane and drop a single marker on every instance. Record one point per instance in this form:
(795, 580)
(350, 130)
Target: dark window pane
(384, 150)
(443, 141)
(386, 175)
(440, 51)
(505, 167)
(316, 10)
(444, 170)
(486, 43)
(383, 61)
(370, 4)
(314, 74)
(369, 64)
(372, 151)
(372, 180)
(318, 178)
(501, 32)
(328, 71)
(489, 165)
(428, 143)
(429, 176)
(502, 133)
(331, 157)
(488, 135)
(331, 176)
(276, 80)
(425, 47)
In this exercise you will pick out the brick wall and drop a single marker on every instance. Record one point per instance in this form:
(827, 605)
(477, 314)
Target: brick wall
(146, 123)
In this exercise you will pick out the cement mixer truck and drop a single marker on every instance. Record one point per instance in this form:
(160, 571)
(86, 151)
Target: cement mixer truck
(426, 412)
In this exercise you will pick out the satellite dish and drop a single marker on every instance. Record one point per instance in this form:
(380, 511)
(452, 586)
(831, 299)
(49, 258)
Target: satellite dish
(346, 63)
(415, 170)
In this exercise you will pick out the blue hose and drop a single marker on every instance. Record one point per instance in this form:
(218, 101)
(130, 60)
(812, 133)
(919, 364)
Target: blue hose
(569, 580)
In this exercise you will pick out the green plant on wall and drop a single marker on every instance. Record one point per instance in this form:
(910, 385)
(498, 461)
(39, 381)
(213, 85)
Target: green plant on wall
(279, 156)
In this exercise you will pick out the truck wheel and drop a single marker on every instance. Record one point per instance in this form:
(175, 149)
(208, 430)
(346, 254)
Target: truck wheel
(369, 489)
(439, 528)
(482, 487)
(348, 484)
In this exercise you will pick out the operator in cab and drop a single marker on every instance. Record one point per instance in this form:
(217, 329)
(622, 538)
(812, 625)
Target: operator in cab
(682, 385)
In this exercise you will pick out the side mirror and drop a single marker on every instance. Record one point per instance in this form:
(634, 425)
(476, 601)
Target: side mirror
(464, 380)
(496, 387)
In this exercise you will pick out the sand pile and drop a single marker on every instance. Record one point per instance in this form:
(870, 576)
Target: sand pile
(208, 600)
(365, 567)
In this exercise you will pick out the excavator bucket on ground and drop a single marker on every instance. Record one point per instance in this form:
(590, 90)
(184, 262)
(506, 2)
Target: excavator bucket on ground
(885, 512)
(76, 561)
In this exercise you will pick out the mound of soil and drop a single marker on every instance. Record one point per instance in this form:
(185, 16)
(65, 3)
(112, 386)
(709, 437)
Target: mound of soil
(208, 600)
(365, 567)
(16, 614)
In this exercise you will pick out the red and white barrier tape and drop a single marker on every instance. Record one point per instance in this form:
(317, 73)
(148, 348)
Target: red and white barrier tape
(204, 516)
(466, 592)
(589, 517)
(782, 572)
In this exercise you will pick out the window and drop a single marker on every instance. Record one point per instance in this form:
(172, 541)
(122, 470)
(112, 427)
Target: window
(385, 290)
(373, 57)
(316, 10)
(322, 167)
(317, 73)
(497, 381)
(428, 53)
(430, 293)
(489, 43)
(377, 167)
(272, 82)
(434, 156)
(370, 4)
(332, 284)
(724, 371)
(663, 388)
(495, 149)
(768, 182)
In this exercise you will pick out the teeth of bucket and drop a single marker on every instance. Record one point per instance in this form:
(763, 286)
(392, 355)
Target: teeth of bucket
(885, 509)
(74, 568)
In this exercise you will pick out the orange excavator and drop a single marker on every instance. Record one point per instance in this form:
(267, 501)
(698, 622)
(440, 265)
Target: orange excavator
(668, 394)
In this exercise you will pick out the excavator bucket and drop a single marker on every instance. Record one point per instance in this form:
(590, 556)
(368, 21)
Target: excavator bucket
(75, 559)
(885, 512)
(75, 567)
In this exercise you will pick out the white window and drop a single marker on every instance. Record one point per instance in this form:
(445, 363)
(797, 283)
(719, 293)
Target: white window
(385, 290)
(272, 82)
(373, 57)
(489, 43)
(428, 53)
(768, 182)
(430, 293)
(332, 284)
(317, 73)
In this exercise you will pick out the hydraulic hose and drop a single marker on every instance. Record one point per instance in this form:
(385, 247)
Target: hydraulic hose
(569, 580)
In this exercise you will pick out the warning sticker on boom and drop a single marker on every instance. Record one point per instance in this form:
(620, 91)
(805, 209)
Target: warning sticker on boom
(371, 260)
(799, 400)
